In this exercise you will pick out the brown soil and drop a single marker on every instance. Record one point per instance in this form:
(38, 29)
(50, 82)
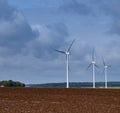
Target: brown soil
(61, 100)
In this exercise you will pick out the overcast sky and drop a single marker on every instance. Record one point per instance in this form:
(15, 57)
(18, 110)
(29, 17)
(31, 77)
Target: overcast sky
(31, 29)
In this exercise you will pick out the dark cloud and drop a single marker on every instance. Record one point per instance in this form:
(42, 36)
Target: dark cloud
(75, 7)
(110, 8)
(34, 45)
(51, 37)
(17, 36)
(15, 31)
(107, 8)
(5, 10)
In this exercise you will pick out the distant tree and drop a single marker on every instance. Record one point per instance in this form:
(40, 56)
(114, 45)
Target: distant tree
(10, 83)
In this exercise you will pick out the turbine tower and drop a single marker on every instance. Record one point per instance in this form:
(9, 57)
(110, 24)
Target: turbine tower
(105, 71)
(93, 64)
(67, 53)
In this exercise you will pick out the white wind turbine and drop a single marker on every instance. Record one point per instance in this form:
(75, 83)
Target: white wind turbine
(93, 64)
(67, 53)
(105, 71)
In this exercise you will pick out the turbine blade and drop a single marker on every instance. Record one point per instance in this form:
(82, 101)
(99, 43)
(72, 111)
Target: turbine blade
(89, 66)
(109, 65)
(96, 66)
(93, 56)
(59, 51)
(103, 61)
(103, 70)
(66, 56)
(70, 45)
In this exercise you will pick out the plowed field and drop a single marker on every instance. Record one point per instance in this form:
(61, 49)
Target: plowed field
(61, 100)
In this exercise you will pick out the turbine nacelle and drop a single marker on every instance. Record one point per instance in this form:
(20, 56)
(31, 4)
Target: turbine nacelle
(67, 53)
(106, 67)
(93, 62)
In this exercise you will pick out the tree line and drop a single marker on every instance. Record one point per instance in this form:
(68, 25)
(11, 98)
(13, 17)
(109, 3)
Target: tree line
(11, 83)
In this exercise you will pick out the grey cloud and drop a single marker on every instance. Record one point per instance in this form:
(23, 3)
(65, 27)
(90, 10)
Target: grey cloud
(15, 31)
(18, 37)
(51, 37)
(75, 7)
(5, 10)
(113, 50)
(111, 8)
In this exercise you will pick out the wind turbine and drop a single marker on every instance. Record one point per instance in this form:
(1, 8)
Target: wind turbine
(67, 53)
(105, 71)
(93, 64)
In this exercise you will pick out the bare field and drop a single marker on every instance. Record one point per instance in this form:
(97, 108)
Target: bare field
(59, 100)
